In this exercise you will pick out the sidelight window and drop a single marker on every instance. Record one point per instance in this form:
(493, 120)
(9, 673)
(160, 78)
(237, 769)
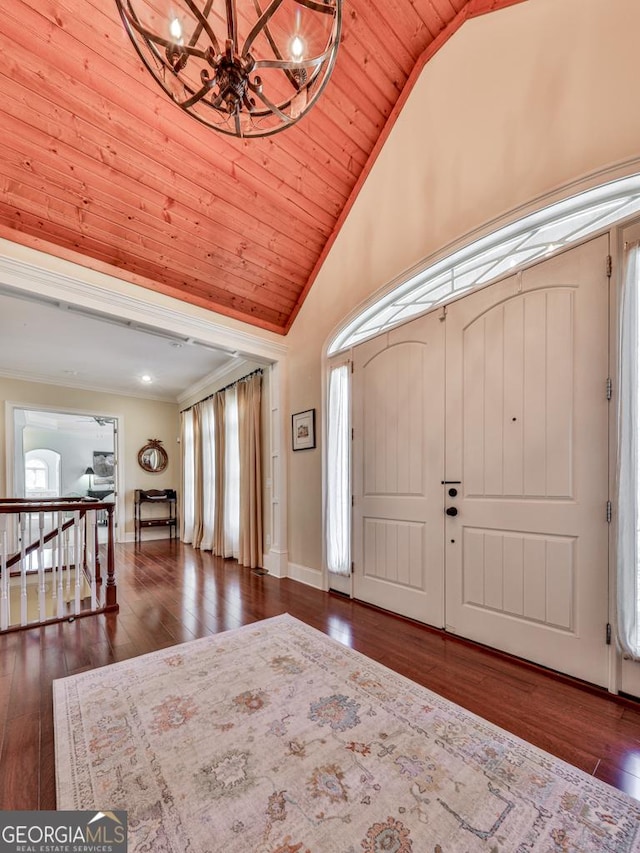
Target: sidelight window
(628, 467)
(338, 512)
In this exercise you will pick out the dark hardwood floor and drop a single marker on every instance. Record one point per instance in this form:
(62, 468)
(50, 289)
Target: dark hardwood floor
(170, 594)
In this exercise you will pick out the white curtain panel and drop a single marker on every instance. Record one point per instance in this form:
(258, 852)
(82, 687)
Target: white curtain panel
(188, 461)
(232, 476)
(628, 501)
(338, 511)
(208, 475)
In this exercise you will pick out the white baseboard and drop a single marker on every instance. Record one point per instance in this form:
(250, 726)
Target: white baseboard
(146, 535)
(303, 574)
(278, 566)
(276, 563)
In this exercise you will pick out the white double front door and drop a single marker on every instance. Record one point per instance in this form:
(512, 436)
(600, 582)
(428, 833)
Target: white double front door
(480, 466)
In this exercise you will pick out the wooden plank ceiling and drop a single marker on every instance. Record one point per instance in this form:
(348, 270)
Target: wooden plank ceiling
(98, 166)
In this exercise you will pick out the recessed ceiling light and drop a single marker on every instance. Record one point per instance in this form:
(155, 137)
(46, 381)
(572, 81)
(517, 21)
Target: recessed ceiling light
(146, 378)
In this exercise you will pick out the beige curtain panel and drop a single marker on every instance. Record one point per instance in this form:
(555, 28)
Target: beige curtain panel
(249, 404)
(198, 506)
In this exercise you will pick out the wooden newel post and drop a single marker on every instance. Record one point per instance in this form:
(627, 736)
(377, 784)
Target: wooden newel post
(111, 599)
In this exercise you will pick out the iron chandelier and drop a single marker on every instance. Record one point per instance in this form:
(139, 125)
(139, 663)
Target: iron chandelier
(236, 67)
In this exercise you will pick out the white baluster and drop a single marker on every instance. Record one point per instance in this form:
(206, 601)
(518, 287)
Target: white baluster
(5, 601)
(93, 535)
(68, 556)
(42, 580)
(51, 557)
(59, 561)
(23, 566)
(78, 557)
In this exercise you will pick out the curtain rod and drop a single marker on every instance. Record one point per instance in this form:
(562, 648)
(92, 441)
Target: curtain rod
(259, 370)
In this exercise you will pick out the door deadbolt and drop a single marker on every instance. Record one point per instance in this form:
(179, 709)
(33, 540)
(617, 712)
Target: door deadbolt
(453, 493)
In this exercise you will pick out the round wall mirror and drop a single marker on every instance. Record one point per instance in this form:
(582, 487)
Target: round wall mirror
(152, 457)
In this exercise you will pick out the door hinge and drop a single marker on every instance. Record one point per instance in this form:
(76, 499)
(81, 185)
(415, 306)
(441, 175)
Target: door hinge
(609, 388)
(352, 433)
(353, 500)
(352, 368)
(609, 511)
(609, 266)
(353, 568)
(608, 633)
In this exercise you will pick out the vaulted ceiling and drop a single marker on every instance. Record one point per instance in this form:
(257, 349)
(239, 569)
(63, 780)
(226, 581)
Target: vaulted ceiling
(98, 166)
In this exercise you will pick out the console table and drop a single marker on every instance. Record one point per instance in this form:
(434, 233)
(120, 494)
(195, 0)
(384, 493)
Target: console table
(163, 514)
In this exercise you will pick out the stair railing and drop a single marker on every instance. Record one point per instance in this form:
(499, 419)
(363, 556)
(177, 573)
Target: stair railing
(50, 561)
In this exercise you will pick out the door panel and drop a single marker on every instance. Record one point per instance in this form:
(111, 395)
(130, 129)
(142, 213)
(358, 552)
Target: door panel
(528, 576)
(398, 451)
(527, 436)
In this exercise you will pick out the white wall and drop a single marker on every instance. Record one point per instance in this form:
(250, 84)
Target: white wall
(518, 103)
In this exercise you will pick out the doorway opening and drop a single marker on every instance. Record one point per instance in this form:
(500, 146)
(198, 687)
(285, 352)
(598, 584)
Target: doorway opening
(65, 455)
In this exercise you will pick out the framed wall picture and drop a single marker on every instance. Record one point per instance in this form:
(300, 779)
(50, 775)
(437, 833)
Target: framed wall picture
(303, 430)
(103, 469)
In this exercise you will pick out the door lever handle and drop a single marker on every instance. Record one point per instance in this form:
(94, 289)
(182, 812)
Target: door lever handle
(451, 510)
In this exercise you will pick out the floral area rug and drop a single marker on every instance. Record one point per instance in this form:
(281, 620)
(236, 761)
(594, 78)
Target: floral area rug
(273, 738)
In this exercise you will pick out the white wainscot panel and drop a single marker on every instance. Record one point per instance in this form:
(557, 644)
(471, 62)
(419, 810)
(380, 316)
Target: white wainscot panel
(529, 576)
(393, 419)
(519, 399)
(394, 551)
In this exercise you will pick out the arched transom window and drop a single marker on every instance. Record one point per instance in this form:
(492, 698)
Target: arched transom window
(483, 261)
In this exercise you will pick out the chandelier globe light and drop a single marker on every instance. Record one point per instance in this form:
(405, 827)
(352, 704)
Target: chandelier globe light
(237, 67)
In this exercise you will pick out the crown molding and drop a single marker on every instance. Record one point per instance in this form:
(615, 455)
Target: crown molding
(43, 379)
(215, 377)
(110, 296)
